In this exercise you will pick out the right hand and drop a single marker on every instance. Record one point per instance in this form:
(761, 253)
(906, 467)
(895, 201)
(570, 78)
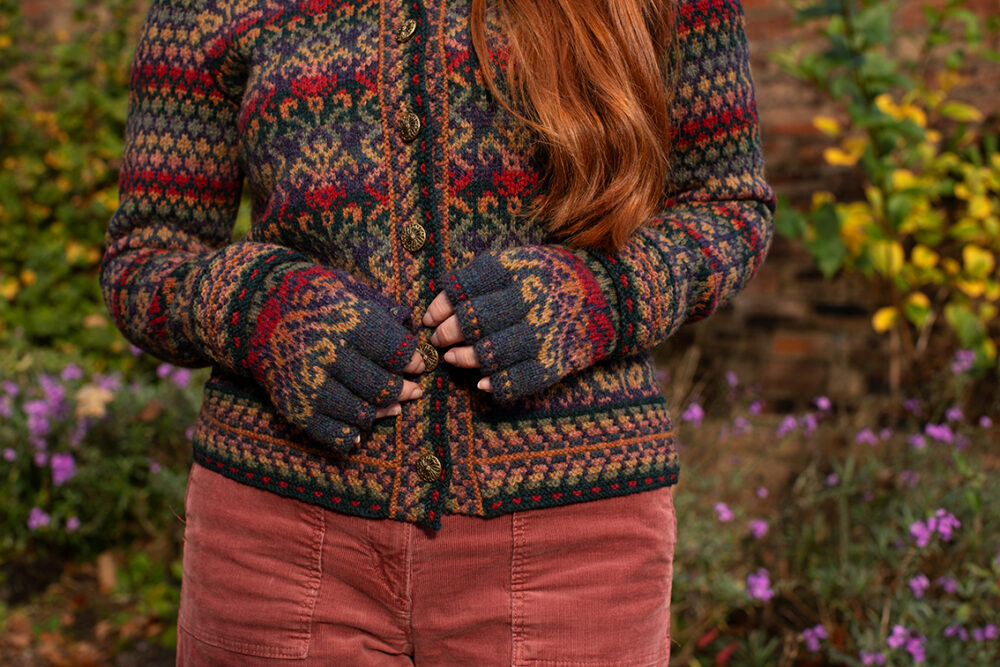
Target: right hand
(411, 390)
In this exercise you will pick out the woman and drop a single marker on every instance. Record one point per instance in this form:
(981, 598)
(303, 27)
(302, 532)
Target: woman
(433, 432)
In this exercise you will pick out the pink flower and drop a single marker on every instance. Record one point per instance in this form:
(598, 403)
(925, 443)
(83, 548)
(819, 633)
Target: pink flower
(37, 518)
(788, 424)
(919, 585)
(63, 468)
(72, 524)
(759, 585)
(762, 493)
(822, 403)
(725, 514)
(866, 436)
(758, 528)
(693, 414)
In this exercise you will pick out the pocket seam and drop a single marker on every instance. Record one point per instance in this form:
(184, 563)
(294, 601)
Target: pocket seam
(302, 637)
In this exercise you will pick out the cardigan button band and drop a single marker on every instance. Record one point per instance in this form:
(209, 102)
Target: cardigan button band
(405, 31)
(430, 355)
(409, 126)
(414, 236)
(429, 468)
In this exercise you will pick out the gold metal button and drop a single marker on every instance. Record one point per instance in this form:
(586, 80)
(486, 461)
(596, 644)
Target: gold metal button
(414, 236)
(429, 468)
(405, 31)
(430, 355)
(409, 126)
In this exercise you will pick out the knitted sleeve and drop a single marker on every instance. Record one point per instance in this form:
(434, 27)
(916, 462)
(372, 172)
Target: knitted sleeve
(174, 282)
(709, 236)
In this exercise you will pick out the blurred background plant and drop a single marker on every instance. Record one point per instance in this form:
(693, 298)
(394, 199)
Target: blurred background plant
(927, 230)
(848, 532)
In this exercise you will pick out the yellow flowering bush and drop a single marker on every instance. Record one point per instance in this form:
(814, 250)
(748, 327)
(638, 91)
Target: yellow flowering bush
(927, 230)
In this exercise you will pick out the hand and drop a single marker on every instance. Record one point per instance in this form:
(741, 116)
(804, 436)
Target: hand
(330, 352)
(440, 313)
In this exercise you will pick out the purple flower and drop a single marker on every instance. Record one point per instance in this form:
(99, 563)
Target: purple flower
(731, 379)
(79, 432)
(758, 528)
(9, 454)
(885, 433)
(725, 514)
(189, 432)
(163, 370)
(872, 658)
(909, 477)
(813, 635)
(940, 432)
(72, 524)
(741, 425)
(71, 372)
(985, 422)
(868, 496)
(921, 532)
(917, 440)
(956, 631)
(990, 631)
(181, 377)
(919, 585)
(912, 406)
(832, 479)
(693, 414)
(10, 388)
(809, 423)
(154, 466)
(963, 361)
(954, 414)
(946, 523)
(6, 406)
(756, 407)
(788, 424)
(822, 403)
(63, 468)
(948, 584)
(41, 458)
(37, 518)
(38, 416)
(866, 436)
(759, 585)
(762, 493)
(911, 639)
(112, 382)
(134, 350)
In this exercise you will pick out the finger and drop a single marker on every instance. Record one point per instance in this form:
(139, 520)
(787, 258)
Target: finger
(482, 315)
(438, 309)
(464, 356)
(416, 364)
(381, 338)
(506, 347)
(448, 333)
(390, 411)
(485, 384)
(365, 378)
(337, 402)
(411, 390)
(334, 434)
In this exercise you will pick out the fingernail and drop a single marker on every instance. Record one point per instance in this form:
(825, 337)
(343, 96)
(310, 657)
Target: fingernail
(449, 356)
(357, 439)
(482, 384)
(418, 393)
(395, 410)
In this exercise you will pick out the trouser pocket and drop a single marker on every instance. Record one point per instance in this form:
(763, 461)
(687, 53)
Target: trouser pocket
(251, 567)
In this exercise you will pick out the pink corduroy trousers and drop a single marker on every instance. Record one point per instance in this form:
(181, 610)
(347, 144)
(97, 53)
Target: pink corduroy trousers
(269, 580)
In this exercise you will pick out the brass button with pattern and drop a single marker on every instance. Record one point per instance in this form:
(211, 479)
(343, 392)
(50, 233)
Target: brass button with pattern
(414, 236)
(405, 31)
(409, 126)
(429, 468)
(430, 355)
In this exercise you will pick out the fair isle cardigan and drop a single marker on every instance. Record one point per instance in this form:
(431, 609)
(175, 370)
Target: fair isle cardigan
(380, 171)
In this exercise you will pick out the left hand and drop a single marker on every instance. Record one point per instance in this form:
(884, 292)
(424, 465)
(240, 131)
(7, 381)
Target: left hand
(441, 314)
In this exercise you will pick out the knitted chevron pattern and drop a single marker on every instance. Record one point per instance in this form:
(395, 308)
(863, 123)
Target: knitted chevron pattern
(302, 104)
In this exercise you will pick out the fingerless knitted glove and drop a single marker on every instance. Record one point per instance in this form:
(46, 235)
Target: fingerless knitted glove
(534, 314)
(329, 350)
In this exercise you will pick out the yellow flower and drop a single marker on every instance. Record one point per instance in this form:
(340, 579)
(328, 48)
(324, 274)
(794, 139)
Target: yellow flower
(9, 288)
(923, 257)
(885, 319)
(903, 179)
(28, 277)
(827, 125)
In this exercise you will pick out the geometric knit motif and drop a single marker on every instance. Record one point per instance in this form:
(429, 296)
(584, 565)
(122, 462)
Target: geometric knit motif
(308, 319)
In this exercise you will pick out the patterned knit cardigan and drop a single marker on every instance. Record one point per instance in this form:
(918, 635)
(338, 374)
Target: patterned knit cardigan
(380, 171)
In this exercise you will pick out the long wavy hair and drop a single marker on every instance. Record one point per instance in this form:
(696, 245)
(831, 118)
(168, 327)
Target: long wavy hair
(593, 80)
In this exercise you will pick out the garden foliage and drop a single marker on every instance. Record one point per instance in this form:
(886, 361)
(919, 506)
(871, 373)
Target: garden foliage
(926, 230)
